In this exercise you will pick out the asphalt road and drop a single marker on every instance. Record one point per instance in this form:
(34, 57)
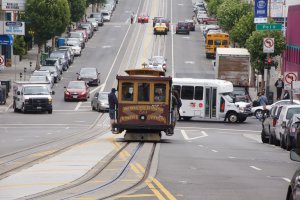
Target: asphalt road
(204, 159)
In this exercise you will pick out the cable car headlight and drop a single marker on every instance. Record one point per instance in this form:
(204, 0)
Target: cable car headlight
(143, 117)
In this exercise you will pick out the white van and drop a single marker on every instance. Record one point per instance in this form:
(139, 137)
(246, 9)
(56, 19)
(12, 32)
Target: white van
(208, 99)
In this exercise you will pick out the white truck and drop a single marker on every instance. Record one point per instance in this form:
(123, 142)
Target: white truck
(233, 64)
(32, 96)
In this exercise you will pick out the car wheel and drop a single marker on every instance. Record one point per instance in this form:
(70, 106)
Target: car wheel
(242, 119)
(186, 118)
(263, 136)
(271, 139)
(23, 109)
(282, 142)
(276, 142)
(232, 117)
(258, 114)
(50, 111)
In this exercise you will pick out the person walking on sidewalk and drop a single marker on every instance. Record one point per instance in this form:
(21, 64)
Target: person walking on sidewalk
(279, 84)
(132, 17)
(113, 104)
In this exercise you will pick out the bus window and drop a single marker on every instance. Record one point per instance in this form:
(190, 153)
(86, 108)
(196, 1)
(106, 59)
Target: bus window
(159, 92)
(178, 88)
(187, 92)
(210, 42)
(217, 42)
(143, 91)
(224, 42)
(127, 91)
(198, 93)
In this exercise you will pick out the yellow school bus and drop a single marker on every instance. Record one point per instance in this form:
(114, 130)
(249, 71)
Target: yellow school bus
(215, 40)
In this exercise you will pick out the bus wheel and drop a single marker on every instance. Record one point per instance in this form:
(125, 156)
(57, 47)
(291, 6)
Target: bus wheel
(186, 118)
(232, 117)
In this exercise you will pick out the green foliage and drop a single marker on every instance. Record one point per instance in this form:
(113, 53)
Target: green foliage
(213, 6)
(47, 18)
(254, 44)
(230, 11)
(19, 46)
(77, 8)
(243, 29)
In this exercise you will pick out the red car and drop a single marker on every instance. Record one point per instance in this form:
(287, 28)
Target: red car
(77, 90)
(142, 18)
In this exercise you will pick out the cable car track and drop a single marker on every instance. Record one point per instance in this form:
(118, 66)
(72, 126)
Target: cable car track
(15, 161)
(88, 185)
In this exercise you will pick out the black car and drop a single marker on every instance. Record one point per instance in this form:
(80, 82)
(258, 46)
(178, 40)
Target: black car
(182, 27)
(294, 187)
(90, 75)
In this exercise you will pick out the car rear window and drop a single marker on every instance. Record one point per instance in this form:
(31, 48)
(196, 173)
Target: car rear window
(291, 112)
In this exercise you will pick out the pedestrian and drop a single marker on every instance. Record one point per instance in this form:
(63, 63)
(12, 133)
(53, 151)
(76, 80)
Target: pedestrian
(132, 17)
(179, 103)
(279, 84)
(263, 101)
(113, 104)
(174, 110)
(286, 94)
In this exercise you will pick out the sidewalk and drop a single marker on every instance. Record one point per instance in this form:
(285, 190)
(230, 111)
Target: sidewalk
(13, 73)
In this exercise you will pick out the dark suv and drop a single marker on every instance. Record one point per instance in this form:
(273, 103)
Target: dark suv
(90, 75)
(182, 27)
(191, 24)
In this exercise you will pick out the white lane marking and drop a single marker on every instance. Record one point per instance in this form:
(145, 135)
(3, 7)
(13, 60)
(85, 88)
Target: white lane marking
(204, 134)
(78, 105)
(256, 168)
(67, 127)
(286, 179)
(49, 133)
(214, 151)
(218, 129)
(200, 145)
(180, 4)
(189, 62)
(92, 91)
(231, 157)
(186, 37)
(19, 140)
(173, 67)
(106, 46)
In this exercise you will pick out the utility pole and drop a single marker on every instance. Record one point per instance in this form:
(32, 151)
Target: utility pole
(267, 69)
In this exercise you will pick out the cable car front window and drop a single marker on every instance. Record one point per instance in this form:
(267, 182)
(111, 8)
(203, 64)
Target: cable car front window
(127, 91)
(159, 92)
(143, 91)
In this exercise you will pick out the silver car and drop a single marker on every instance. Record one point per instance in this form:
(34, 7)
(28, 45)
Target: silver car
(100, 102)
(158, 62)
(54, 71)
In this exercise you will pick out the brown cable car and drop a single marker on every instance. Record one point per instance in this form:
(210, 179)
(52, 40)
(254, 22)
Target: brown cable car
(144, 102)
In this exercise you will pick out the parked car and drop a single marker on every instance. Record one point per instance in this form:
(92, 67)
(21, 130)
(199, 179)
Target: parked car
(158, 62)
(77, 90)
(293, 192)
(94, 23)
(182, 27)
(99, 18)
(54, 71)
(89, 29)
(85, 34)
(74, 42)
(77, 34)
(257, 110)
(191, 24)
(106, 15)
(70, 54)
(44, 73)
(285, 115)
(90, 75)
(63, 56)
(109, 7)
(269, 122)
(55, 62)
(291, 135)
(100, 102)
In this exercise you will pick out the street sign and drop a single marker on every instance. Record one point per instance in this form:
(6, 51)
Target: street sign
(14, 28)
(260, 11)
(2, 60)
(18, 5)
(268, 46)
(288, 78)
(269, 27)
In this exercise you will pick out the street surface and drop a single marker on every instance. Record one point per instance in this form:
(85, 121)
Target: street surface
(207, 160)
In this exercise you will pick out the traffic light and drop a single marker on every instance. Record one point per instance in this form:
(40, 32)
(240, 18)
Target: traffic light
(270, 63)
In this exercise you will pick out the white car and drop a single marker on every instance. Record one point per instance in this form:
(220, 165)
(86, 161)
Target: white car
(257, 111)
(106, 15)
(157, 62)
(94, 22)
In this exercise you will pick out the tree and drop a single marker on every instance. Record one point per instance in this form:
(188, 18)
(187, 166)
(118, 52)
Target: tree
(19, 46)
(230, 11)
(77, 9)
(47, 18)
(254, 44)
(243, 29)
(213, 6)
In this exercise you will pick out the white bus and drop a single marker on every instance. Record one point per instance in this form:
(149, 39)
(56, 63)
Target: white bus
(208, 99)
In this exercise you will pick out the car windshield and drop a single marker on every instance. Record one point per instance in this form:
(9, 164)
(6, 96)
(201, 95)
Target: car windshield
(158, 59)
(76, 85)
(228, 97)
(103, 96)
(50, 68)
(96, 15)
(57, 55)
(105, 14)
(42, 73)
(34, 90)
(88, 71)
(75, 34)
(91, 20)
(50, 62)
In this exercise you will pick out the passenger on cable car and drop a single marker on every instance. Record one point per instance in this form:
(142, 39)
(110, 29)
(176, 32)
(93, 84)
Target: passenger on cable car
(159, 96)
(129, 95)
